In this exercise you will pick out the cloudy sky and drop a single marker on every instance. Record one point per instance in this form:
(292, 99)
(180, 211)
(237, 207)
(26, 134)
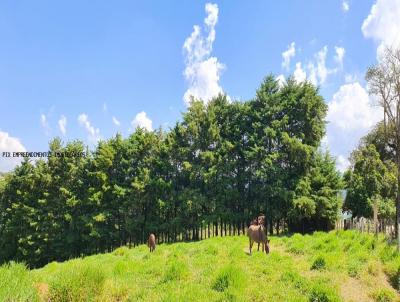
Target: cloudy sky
(85, 70)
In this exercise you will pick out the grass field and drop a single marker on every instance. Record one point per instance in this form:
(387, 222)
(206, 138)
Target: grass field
(335, 266)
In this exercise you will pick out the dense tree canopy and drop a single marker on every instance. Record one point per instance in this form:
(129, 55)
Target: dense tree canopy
(370, 181)
(223, 164)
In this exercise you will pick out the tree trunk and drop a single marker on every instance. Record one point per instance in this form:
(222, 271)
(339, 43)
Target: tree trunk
(277, 226)
(398, 199)
(271, 227)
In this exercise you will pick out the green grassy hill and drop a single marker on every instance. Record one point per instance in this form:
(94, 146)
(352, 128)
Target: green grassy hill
(335, 266)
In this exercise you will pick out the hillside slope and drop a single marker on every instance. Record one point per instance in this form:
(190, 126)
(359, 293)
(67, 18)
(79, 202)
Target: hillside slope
(336, 266)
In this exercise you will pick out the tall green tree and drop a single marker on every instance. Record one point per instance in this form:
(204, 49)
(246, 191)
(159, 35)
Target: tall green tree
(368, 181)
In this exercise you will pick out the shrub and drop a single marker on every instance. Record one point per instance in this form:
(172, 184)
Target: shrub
(79, 281)
(373, 268)
(294, 278)
(319, 263)
(227, 277)
(353, 269)
(383, 295)
(175, 271)
(392, 270)
(322, 293)
(16, 283)
(121, 251)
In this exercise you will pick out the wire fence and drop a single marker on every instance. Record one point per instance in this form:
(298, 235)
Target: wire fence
(364, 225)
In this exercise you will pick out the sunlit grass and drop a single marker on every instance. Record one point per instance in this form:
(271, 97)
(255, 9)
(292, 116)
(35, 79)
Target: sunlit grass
(299, 268)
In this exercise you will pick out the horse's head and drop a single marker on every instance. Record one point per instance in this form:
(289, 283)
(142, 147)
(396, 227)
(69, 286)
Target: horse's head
(261, 220)
(254, 222)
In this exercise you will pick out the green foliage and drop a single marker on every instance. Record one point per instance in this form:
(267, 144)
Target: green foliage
(383, 295)
(16, 283)
(186, 272)
(319, 263)
(323, 293)
(175, 271)
(316, 203)
(229, 276)
(353, 269)
(222, 164)
(370, 181)
(77, 282)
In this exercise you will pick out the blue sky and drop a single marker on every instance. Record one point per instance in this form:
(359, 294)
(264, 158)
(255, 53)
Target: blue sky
(86, 70)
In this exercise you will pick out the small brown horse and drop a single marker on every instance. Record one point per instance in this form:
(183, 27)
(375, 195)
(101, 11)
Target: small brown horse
(256, 233)
(152, 242)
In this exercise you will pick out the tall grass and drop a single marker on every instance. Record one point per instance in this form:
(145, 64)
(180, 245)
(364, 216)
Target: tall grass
(307, 268)
(16, 283)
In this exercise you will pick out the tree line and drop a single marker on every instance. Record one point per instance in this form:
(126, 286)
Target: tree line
(223, 164)
(373, 178)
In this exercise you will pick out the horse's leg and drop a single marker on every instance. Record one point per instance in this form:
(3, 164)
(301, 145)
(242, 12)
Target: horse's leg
(258, 248)
(250, 244)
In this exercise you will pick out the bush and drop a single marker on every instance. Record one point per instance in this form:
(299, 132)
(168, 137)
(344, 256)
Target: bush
(392, 270)
(16, 283)
(294, 278)
(322, 293)
(121, 251)
(319, 263)
(353, 269)
(383, 295)
(373, 268)
(79, 281)
(175, 271)
(229, 276)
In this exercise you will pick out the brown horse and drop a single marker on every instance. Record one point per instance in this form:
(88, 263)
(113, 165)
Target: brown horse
(152, 242)
(256, 233)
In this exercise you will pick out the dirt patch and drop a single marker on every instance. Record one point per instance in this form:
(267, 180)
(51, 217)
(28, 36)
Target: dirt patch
(352, 290)
(43, 290)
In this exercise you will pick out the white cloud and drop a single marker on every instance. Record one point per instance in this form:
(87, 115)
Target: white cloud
(340, 52)
(202, 71)
(350, 78)
(288, 55)
(383, 25)
(62, 124)
(93, 133)
(141, 120)
(43, 120)
(115, 121)
(351, 108)
(9, 144)
(345, 6)
(342, 163)
(299, 74)
(45, 123)
(317, 72)
(312, 73)
(350, 117)
(322, 71)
